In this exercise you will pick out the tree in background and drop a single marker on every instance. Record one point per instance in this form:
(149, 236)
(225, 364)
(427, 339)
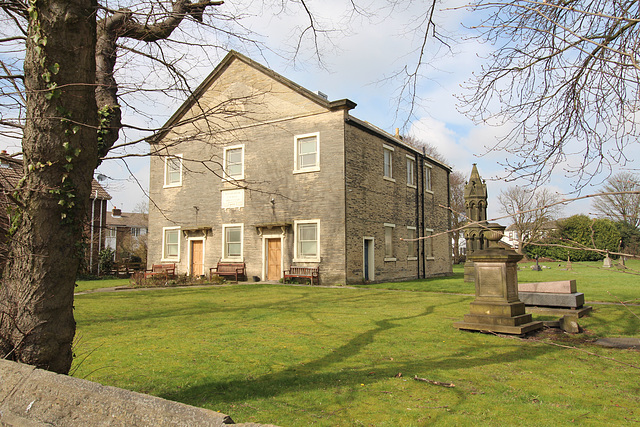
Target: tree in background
(581, 238)
(529, 212)
(622, 207)
(565, 76)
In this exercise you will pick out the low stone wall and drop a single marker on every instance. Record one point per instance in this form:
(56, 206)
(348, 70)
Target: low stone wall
(31, 397)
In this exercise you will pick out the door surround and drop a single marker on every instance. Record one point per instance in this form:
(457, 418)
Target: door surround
(368, 258)
(190, 253)
(265, 252)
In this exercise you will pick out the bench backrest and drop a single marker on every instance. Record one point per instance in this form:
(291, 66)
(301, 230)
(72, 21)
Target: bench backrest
(230, 267)
(304, 270)
(163, 268)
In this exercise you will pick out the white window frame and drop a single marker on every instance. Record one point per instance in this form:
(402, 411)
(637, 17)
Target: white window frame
(428, 178)
(297, 256)
(411, 245)
(428, 244)
(387, 149)
(411, 171)
(165, 257)
(296, 166)
(386, 257)
(178, 183)
(225, 257)
(228, 177)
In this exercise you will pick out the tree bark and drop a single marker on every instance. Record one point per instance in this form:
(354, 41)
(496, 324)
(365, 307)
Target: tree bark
(60, 154)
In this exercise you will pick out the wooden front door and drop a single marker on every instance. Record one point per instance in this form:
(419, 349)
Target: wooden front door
(274, 259)
(197, 257)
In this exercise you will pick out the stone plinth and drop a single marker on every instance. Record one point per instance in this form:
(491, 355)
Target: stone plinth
(497, 307)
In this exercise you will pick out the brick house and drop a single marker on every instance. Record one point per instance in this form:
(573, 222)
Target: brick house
(11, 171)
(254, 168)
(127, 234)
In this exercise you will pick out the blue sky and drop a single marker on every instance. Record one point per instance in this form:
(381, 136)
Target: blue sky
(355, 63)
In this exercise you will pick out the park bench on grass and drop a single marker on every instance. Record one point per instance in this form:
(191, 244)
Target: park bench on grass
(230, 269)
(303, 272)
(125, 269)
(167, 269)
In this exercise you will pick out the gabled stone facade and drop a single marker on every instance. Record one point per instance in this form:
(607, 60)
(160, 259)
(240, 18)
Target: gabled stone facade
(256, 169)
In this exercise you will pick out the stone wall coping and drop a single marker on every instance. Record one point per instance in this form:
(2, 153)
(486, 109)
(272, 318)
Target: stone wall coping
(35, 397)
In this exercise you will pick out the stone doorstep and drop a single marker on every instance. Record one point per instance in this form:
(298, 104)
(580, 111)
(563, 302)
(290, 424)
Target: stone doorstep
(35, 397)
(558, 287)
(575, 300)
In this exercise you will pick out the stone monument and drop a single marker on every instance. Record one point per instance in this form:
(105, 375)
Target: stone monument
(475, 204)
(497, 307)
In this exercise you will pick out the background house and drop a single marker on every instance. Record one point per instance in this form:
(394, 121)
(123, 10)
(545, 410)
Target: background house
(11, 172)
(254, 168)
(127, 235)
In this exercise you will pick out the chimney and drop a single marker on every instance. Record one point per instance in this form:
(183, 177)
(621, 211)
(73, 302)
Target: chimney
(397, 135)
(116, 213)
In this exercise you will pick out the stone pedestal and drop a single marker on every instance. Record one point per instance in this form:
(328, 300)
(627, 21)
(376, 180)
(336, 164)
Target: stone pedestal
(469, 271)
(497, 307)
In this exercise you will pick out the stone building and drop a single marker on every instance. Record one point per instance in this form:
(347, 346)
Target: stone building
(254, 168)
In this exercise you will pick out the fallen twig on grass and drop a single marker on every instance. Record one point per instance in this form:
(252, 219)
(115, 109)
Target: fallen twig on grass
(450, 385)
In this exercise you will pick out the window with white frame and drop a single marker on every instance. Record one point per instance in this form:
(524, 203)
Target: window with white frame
(112, 232)
(428, 243)
(307, 152)
(388, 161)
(173, 171)
(411, 172)
(232, 235)
(307, 236)
(234, 162)
(411, 243)
(388, 242)
(171, 244)
(427, 177)
(136, 231)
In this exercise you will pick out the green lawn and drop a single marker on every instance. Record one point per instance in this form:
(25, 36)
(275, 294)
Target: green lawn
(597, 284)
(89, 285)
(299, 356)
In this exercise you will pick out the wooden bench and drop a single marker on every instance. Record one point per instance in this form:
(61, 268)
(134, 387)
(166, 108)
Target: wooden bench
(125, 269)
(303, 272)
(231, 269)
(167, 269)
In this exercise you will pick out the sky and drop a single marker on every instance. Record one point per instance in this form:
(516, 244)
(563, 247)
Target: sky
(357, 60)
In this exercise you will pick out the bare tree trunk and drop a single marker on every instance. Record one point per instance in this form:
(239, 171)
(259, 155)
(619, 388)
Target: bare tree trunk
(60, 155)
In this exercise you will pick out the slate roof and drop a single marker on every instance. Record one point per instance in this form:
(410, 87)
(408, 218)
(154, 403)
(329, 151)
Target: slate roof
(128, 219)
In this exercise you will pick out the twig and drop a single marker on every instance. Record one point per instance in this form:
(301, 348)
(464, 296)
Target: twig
(449, 385)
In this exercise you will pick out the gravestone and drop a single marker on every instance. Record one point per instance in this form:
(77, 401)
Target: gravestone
(496, 307)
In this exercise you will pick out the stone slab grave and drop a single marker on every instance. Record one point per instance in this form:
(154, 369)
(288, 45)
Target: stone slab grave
(31, 397)
(559, 294)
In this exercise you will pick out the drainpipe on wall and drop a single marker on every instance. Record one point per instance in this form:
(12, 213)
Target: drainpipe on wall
(417, 235)
(424, 262)
(102, 209)
(93, 208)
